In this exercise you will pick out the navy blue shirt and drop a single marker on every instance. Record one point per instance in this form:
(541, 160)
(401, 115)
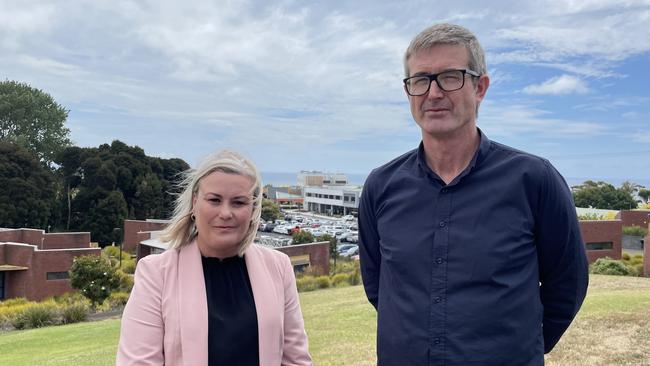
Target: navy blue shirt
(487, 270)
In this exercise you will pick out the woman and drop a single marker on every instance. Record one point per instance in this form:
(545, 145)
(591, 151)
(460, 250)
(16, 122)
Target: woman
(213, 298)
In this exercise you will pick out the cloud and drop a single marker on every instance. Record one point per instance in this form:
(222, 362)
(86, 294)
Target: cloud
(559, 85)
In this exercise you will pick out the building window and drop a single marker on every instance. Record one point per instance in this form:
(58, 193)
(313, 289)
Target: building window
(605, 245)
(57, 276)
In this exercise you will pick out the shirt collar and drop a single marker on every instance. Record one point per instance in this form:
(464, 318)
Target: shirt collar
(479, 155)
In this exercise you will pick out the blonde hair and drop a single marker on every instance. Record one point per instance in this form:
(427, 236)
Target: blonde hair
(182, 229)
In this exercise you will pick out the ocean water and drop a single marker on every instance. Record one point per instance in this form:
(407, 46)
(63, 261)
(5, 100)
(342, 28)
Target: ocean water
(290, 179)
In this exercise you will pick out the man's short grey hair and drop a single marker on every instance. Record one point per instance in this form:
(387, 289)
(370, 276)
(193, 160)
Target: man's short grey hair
(182, 229)
(448, 34)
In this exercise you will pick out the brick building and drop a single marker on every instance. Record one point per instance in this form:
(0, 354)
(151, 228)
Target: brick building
(602, 238)
(35, 264)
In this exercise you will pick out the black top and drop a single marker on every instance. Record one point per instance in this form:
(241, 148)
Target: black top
(489, 269)
(232, 319)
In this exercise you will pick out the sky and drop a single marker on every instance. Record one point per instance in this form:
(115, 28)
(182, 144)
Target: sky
(317, 85)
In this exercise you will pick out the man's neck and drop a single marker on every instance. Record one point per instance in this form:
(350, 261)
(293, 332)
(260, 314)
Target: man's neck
(450, 154)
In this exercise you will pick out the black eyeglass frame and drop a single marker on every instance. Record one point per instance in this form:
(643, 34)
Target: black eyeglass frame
(433, 77)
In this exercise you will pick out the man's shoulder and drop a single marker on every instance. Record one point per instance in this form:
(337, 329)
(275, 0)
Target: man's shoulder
(505, 152)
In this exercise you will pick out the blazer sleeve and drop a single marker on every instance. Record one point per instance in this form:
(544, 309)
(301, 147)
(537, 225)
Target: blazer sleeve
(295, 348)
(142, 328)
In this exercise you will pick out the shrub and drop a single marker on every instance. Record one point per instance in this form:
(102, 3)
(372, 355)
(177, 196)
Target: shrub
(128, 266)
(36, 316)
(117, 300)
(10, 309)
(70, 298)
(74, 313)
(322, 281)
(340, 279)
(590, 216)
(95, 277)
(608, 266)
(306, 283)
(625, 257)
(635, 230)
(126, 282)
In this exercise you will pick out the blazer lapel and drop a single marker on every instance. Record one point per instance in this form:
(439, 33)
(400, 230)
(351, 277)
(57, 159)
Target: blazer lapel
(269, 311)
(193, 306)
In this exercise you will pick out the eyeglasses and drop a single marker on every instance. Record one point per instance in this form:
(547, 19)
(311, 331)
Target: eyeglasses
(448, 81)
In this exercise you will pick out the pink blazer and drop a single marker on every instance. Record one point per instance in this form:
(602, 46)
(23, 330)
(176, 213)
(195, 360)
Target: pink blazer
(165, 321)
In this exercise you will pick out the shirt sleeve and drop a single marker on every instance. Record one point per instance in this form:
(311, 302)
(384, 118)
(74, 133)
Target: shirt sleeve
(142, 327)
(369, 253)
(295, 349)
(563, 266)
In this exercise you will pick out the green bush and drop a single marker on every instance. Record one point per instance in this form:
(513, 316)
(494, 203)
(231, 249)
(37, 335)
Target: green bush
(75, 312)
(128, 266)
(306, 283)
(13, 302)
(591, 216)
(637, 269)
(95, 277)
(126, 282)
(36, 316)
(340, 279)
(117, 300)
(625, 257)
(323, 281)
(71, 297)
(608, 266)
(635, 230)
(10, 309)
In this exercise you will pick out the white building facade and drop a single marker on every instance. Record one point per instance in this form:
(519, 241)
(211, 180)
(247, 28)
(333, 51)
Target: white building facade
(332, 200)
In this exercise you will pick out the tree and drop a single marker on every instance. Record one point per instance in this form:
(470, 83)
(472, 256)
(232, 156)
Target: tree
(645, 195)
(334, 253)
(302, 237)
(270, 210)
(95, 277)
(27, 197)
(602, 195)
(32, 119)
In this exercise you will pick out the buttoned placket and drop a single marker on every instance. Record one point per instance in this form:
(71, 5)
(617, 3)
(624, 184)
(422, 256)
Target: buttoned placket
(438, 303)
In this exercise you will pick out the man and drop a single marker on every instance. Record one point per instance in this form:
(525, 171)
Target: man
(470, 250)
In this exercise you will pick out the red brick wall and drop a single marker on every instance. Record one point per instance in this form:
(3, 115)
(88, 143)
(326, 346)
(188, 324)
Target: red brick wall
(32, 283)
(66, 240)
(635, 218)
(602, 231)
(318, 255)
(27, 236)
(133, 227)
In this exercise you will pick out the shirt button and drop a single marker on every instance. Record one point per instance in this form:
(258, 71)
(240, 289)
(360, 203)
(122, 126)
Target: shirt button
(442, 223)
(439, 260)
(437, 299)
(444, 190)
(436, 341)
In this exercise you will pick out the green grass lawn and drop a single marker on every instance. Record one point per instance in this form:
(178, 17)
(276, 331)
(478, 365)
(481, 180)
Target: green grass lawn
(613, 328)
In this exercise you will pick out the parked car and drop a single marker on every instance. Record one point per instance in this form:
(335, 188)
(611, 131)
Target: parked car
(342, 248)
(347, 218)
(350, 252)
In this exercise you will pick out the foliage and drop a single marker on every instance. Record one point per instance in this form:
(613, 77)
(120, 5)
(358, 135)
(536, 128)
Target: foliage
(322, 282)
(95, 277)
(340, 279)
(302, 237)
(74, 313)
(270, 210)
(644, 194)
(603, 195)
(635, 230)
(107, 184)
(126, 281)
(306, 283)
(128, 266)
(36, 316)
(334, 253)
(608, 266)
(28, 197)
(590, 216)
(117, 299)
(33, 119)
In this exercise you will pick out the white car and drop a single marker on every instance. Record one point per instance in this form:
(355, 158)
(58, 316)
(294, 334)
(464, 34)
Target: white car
(351, 251)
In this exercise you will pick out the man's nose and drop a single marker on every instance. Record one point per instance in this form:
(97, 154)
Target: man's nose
(434, 91)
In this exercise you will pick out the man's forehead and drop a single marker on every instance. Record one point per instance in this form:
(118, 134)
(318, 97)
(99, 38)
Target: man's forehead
(441, 57)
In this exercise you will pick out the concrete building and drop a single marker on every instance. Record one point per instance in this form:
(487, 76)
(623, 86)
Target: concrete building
(316, 178)
(332, 200)
(35, 264)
